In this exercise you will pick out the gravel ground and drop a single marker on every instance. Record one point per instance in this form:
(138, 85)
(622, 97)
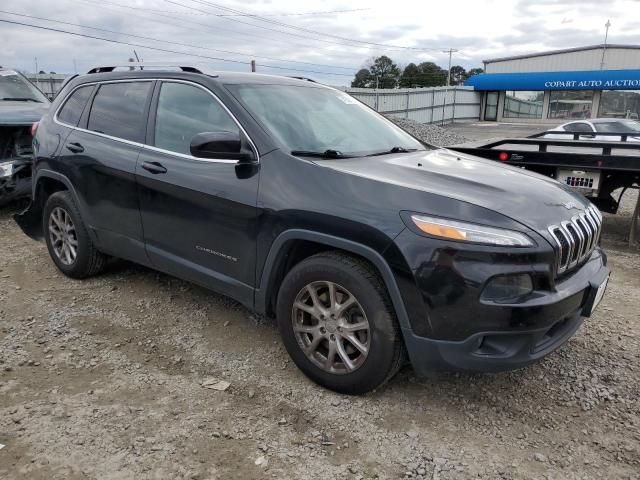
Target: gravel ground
(431, 134)
(104, 379)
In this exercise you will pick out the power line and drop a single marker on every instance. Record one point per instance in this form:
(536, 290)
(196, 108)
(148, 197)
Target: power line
(302, 14)
(208, 27)
(173, 43)
(304, 30)
(315, 32)
(289, 14)
(170, 51)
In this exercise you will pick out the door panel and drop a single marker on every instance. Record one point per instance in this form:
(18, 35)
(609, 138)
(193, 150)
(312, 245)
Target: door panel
(199, 216)
(100, 157)
(104, 177)
(199, 220)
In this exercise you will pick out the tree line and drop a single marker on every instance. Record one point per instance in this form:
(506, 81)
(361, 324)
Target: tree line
(385, 73)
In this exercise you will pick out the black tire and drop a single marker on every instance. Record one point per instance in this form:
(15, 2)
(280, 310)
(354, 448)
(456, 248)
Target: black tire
(88, 260)
(386, 350)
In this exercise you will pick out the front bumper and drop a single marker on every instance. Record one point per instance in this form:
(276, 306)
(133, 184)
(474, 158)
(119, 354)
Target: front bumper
(510, 336)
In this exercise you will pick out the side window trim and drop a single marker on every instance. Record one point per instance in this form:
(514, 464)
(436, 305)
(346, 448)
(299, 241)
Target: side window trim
(151, 123)
(151, 106)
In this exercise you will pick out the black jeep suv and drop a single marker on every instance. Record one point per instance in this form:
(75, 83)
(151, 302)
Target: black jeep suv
(305, 205)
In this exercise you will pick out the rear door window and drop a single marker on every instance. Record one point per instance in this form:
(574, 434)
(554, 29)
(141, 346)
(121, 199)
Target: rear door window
(72, 109)
(579, 127)
(119, 110)
(183, 112)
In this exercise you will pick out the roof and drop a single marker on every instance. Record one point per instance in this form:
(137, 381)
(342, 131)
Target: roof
(566, 50)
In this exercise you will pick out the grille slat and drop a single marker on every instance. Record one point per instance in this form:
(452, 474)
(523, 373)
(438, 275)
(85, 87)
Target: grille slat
(576, 239)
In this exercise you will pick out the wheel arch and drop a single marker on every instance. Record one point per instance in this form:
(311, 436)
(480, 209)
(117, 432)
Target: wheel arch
(282, 255)
(45, 183)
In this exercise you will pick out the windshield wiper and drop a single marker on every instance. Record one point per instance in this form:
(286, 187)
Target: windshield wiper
(393, 150)
(20, 99)
(326, 154)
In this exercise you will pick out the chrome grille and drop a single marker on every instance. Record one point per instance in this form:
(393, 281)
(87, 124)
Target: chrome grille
(576, 238)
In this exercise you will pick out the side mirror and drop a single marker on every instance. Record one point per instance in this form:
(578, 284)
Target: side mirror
(221, 145)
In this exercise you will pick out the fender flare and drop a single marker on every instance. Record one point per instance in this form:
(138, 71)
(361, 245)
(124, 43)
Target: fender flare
(359, 249)
(30, 219)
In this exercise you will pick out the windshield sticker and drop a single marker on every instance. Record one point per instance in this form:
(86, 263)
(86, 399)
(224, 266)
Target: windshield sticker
(348, 99)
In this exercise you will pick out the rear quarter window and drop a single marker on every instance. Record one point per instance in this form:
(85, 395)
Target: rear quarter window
(119, 110)
(73, 107)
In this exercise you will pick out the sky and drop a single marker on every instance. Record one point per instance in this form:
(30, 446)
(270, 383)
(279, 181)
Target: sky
(324, 40)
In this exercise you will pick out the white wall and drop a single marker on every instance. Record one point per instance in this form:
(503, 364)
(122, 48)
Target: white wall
(424, 105)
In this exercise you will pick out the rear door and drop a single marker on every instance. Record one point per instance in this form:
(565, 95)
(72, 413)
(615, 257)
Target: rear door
(199, 215)
(100, 156)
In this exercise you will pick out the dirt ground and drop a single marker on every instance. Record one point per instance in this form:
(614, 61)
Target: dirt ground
(103, 379)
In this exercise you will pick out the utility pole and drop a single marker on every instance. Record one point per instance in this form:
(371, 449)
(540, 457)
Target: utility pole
(253, 66)
(446, 92)
(450, 52)
(604, 48)
(35, 59)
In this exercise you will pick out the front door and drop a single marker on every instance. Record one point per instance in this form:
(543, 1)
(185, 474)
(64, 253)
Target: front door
(491, 106)
(198, 215)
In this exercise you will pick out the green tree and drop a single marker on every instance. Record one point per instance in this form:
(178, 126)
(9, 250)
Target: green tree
(384, 72)
(426, 74)
(430, 75)
(458, 75)
(474, 71)
(362, 79)
(409, 76)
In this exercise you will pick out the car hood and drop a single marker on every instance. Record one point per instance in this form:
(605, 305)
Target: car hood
(21, 113)
(526, 197)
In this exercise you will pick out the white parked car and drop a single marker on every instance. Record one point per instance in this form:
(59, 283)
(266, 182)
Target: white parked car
(594, 126)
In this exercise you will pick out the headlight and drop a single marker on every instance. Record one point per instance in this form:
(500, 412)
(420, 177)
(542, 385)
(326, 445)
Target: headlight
(6, 169)
(470, 232)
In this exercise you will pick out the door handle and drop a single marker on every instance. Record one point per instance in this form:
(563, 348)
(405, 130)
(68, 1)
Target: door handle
(75, 147)
(154, 167)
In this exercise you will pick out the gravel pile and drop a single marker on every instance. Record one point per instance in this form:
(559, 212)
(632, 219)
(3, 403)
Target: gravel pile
(431, 134)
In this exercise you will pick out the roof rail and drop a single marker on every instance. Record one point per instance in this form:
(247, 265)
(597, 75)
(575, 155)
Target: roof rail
(141, 66)
(304, 78)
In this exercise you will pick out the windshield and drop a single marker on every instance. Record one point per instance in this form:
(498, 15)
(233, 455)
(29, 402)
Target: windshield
(14, 87)
(621, 126)
(312, 119)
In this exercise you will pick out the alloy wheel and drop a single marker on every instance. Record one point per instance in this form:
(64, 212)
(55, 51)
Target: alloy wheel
(62, 234)
(331, 327)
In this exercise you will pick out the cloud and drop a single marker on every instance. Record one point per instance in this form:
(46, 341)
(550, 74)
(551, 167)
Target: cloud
(478, 30)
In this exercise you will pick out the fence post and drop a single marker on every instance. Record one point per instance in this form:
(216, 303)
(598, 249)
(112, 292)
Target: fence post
(406, 111)
(433, 104)
(453, 113)
(444, 105)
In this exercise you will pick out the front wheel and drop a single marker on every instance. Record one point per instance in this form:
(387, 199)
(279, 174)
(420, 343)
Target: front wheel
(337, 323)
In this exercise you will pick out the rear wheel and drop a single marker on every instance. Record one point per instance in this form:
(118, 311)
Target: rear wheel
(68, 241)
(338, 324)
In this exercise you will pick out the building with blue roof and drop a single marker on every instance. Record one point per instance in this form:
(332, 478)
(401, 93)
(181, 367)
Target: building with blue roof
(561, 85)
